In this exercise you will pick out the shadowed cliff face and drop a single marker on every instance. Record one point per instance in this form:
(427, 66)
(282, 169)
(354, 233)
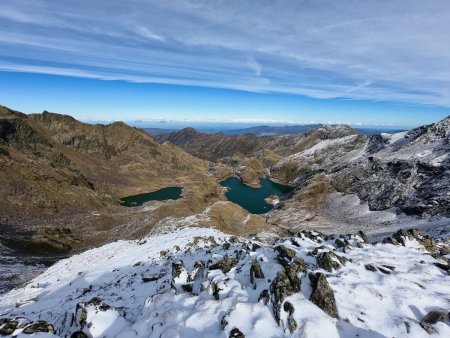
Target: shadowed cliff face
(57, 171)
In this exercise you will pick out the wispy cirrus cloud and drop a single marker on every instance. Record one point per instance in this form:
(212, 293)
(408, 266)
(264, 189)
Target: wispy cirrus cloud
(375, 50)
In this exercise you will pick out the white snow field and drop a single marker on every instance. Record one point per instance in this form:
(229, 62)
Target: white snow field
(168, 286)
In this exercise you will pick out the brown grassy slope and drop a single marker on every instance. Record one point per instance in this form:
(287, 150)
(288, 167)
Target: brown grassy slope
(212, 147)
(58, 171)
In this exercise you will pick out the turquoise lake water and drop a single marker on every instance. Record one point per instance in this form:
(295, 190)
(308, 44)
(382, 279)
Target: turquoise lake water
(169, 193)
(252, 199)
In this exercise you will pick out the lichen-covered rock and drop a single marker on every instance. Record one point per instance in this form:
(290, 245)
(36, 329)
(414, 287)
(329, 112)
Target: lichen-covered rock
(40, 326)
(428, 243)
(322, 295)
(427, 327)
(280, 288)
(284, 252)
(225, 265)
(433, 317)
(255, 272)
(7, 326)
(292, 324)
(293, 270)
(399, 237)
(325, 261)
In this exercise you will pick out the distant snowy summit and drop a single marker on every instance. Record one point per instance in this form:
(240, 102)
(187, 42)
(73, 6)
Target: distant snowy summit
(199, 282)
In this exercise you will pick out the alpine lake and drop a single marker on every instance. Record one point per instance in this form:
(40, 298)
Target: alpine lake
(169, 193)
(253, 199)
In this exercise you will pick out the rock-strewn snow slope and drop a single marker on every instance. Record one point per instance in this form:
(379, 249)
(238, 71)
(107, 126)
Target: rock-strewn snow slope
(202, 283)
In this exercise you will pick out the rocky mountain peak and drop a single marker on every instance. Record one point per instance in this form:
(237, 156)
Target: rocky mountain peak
(188, 131)
(332, 131)
(6, 113)
(443, 125)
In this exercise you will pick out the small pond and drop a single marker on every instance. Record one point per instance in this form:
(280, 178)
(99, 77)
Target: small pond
(252, 199)
(169, 193)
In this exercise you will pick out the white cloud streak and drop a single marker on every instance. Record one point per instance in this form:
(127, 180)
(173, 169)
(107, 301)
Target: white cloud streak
(376, 50)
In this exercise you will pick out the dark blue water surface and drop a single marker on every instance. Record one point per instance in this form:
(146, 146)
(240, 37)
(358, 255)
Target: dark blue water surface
(252, 199)
(169, 193)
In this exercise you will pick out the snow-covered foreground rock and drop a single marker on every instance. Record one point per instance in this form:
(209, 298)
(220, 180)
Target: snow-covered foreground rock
(198, 282)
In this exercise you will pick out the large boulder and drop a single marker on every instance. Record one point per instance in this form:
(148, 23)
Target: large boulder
(7, 326)
(322, 295)
(39, 326)
(293, 270)
(255, 272)
(225, 265)
(329, 261)
(280, 288)
(284, 252)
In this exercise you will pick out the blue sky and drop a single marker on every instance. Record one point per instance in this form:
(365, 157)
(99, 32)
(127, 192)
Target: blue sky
(367, 62)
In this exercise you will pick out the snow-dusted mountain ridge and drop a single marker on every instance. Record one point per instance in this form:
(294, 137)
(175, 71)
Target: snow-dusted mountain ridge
(197, 282)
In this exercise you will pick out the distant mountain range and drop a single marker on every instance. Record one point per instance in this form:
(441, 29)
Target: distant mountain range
(214, 147)
(265, 130)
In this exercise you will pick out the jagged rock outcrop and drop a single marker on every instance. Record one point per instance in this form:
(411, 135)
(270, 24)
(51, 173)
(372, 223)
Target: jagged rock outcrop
(409, 171)
(225, 265)
(322, 295)
(329, 261)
